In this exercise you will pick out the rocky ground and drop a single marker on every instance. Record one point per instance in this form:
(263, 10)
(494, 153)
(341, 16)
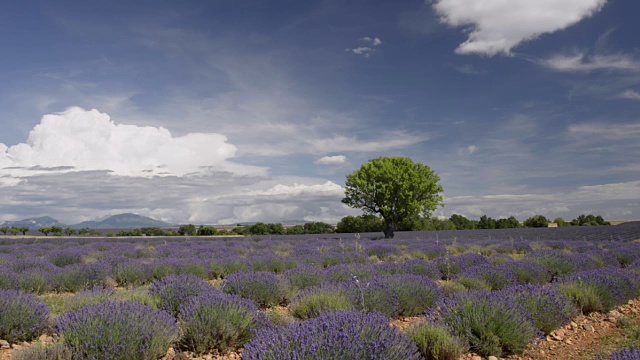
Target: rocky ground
(584, 338)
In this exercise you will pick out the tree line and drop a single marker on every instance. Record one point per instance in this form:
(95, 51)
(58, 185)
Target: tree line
(372, 223)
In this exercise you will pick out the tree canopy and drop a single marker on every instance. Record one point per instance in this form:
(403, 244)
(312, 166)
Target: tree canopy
(396, 188)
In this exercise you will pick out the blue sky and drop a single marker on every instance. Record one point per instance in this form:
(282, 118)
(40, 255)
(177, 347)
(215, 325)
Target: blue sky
(233, 111)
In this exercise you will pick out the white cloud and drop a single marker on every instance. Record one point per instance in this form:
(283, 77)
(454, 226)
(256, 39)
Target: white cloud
(581, 62)
(340, 143)
(497, 26)
(374, 41)
(82, 140)
(471, 149)
(631, 95)
(327, 188)
(331, 160)
(363, 51)
(366, 51)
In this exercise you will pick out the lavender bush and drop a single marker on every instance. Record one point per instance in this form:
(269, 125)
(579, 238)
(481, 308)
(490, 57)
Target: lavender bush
(263, 288)
(23, 317)
(333, 335)
(549, 308)
(601, 289)
(416, 294)
(218, 322)
(491, 325)
(373, 296)
(118, 330)
(173, 291)
(304, 277)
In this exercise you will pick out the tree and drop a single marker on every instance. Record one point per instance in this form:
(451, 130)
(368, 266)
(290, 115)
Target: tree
(360, 224)
(536, 221)
(4, 230)
(70, 231)
(396, 188)
(560, 221)
(189, 230)
(56, 230)
(24, 230)
(509, 223)
(462, 223)
(45, 230)
(486, 223)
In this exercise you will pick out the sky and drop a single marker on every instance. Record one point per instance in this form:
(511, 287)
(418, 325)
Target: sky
(220, 112)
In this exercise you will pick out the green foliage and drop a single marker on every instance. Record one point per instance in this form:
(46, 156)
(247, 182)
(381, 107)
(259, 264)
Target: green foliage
(360, 224)
(188, 230)
(396, 188)
(536, 221)
(436, 343)
(207, 231)
(462, 223)
(486, 223)
(589, 220)
(70, 231)
(316, 301)
(490, 327)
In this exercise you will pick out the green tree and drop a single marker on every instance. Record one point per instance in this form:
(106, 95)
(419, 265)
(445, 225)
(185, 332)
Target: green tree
(4, 230)
(396, 188)
(207, 231)
(560, 221)
(56, 230)
(536, 221)
(189, 230)
(14, 230)
(510, 223)
(486, 223)
(462, 223)
(45, 230)
(24, 230)
(360, 224)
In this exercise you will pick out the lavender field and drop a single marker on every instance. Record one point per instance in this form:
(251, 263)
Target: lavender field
(331, 296)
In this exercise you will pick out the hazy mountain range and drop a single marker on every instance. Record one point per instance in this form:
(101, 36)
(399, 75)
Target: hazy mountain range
(121, 221)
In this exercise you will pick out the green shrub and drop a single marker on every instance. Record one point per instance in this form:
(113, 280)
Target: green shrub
(312, 302)
(218, 322)
(436, 343)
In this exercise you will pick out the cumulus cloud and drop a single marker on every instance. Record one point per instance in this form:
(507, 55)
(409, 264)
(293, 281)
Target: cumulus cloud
(331, 160)
(471, 149)
(497, 26)
(366, 51)
(581, 62)
(82, 140)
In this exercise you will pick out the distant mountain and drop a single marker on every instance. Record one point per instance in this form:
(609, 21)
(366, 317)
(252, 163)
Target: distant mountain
(34, 223)
(122, 221)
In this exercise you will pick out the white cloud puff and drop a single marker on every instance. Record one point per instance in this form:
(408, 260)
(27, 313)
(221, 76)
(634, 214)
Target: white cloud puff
(78, 140)
(366, 51)
(497, 26)
(331, 160)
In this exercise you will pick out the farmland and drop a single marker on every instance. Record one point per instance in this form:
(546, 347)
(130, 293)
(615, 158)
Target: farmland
(492, 293)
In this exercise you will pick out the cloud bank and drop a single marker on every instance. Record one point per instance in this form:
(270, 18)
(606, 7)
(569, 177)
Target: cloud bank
(82, 140)
(497, 26)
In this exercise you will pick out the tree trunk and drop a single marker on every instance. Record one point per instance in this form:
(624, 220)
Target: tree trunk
(389, 228)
